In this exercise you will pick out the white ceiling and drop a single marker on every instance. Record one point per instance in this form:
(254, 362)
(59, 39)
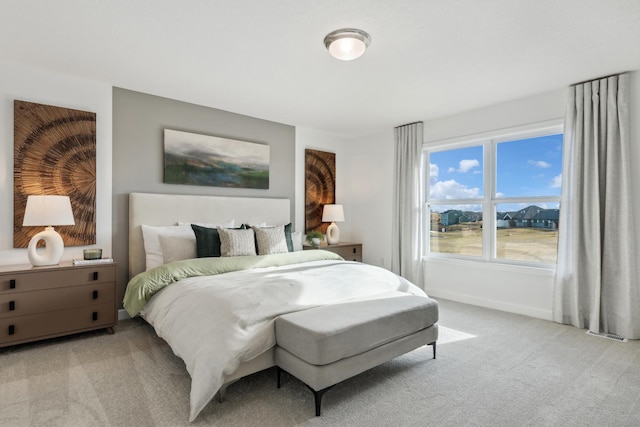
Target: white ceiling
(266, 58)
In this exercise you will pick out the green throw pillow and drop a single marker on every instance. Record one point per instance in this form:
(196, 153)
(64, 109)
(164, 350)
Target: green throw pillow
(207, 241)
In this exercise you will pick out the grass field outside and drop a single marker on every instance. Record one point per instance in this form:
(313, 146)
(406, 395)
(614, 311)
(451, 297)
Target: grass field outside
(517, 244)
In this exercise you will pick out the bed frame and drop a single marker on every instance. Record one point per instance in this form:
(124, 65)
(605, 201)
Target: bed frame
(169, 209)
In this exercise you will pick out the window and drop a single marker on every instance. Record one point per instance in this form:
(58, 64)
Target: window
(496, 197)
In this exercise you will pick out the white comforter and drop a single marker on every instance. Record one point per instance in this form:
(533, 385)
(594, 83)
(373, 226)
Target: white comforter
(214, 323)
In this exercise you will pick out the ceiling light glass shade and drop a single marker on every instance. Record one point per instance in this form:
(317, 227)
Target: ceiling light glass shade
(347, 44)
(47, 211)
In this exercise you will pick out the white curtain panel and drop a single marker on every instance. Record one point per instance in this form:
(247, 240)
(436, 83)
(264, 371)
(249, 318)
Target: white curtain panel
(596, 282)
(406, 244)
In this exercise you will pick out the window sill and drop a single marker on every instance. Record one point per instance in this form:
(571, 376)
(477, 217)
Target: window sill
(491, 265)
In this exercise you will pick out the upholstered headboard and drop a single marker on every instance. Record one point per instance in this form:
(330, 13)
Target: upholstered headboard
(169, 209)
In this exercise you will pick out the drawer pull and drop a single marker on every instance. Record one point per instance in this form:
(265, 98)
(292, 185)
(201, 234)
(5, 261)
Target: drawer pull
(354, 250)
(95, 294)
(12, 329)
(12, 305)
(95, 315)
(12, 284)
(95, 275)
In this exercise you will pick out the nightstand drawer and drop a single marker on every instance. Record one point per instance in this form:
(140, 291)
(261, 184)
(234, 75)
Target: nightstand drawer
(35, 279)
(55, 323)
(348, 251)
(23, 303)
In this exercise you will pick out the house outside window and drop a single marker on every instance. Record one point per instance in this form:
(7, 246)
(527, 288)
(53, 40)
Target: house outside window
(495, 197)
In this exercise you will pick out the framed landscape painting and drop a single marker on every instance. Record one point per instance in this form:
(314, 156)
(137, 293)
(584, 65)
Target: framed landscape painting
(195, 159)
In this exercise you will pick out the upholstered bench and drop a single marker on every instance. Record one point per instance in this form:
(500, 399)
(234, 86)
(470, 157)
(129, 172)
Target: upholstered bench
(325, 345)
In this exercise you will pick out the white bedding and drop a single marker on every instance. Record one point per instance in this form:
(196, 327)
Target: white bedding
(215, 323)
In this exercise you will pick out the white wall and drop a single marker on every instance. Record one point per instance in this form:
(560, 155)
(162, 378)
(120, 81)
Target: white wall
(371, 172)
(34, 85)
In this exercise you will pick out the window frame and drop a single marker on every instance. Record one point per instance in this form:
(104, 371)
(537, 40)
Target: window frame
(489, 142)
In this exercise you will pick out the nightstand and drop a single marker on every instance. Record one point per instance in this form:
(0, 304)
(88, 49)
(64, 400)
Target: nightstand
(46, 302)
(347, 250)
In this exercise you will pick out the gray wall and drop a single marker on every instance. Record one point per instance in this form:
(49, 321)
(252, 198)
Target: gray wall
(138, 123)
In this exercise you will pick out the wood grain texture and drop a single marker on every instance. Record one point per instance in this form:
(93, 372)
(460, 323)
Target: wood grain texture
(55, 154)
(320, 187)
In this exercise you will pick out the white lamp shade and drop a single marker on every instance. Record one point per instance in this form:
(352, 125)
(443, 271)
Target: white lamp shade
(332, 213)
(48, 210)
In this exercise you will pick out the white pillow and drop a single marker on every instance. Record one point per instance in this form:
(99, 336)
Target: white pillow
(296, 239)
(176, 248)
(271, 240)
(152, 247)
(236, 242)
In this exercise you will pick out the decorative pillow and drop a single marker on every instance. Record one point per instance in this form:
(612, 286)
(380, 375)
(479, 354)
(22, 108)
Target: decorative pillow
(151, 238)
(236, 242)
(271, 240)
(207, 241)
(287, 234)
(176, 248)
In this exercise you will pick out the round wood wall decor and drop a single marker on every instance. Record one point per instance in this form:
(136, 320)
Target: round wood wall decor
(55, 154)
(320, 187)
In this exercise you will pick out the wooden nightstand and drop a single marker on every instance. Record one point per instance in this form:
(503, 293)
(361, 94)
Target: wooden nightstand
(347, 250)
(46, 302)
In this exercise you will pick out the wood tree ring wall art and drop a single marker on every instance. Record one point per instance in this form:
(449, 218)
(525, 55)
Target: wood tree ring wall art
(55, 154)
(320, 187)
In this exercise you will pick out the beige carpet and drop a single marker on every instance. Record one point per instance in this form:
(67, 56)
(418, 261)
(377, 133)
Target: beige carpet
(493, 369)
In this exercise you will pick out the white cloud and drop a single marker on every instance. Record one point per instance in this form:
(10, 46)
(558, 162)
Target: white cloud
(539, 164)
(466, 165)
(451, 189)
(434, 170)
(556, 182)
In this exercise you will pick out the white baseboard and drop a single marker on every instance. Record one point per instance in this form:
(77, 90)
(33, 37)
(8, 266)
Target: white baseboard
(122, 314)
(496, 305)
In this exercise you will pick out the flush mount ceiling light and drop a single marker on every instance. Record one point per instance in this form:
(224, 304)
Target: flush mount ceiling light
(347, 44)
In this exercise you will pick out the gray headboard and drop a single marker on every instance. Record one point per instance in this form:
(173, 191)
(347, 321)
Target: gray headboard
(169, 209)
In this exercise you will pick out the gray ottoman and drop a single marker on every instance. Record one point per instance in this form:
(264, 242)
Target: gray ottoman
(325, 345)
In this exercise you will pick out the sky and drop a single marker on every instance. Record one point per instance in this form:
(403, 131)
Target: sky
(525, 167)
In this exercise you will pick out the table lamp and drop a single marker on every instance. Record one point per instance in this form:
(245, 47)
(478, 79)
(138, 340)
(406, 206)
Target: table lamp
(333, 214)
(47, 211)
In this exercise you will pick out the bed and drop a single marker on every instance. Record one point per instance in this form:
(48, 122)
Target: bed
(218, 312)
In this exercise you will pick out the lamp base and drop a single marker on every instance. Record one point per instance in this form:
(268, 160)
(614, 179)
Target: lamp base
(54, 248)
(333, 234)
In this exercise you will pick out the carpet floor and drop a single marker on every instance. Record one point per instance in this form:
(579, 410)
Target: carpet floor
(493, 369)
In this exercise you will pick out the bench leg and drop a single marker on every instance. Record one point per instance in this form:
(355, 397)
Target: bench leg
(317, 396)
(278, 373)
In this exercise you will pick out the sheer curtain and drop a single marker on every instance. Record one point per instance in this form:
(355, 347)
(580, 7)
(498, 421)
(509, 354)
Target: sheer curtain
(406, 235)
(596, 284)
